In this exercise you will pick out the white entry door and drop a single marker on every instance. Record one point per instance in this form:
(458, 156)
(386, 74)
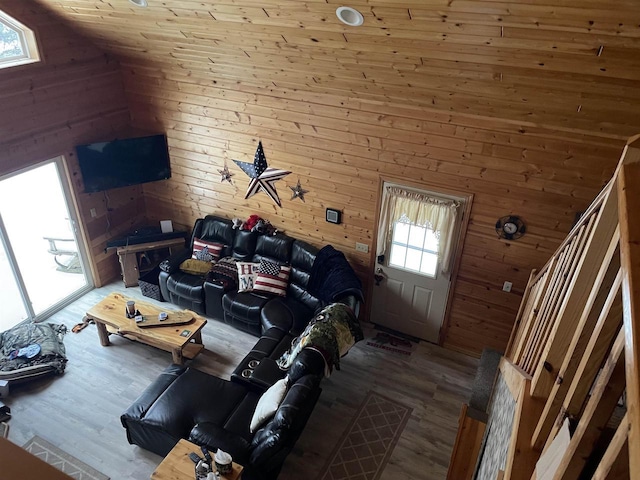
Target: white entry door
(410, 293)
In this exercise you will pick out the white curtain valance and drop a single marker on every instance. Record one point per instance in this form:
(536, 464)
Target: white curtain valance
(419, 209)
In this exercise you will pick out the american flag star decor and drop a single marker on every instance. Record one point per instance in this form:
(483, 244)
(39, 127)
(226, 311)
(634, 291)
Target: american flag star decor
(262, 176)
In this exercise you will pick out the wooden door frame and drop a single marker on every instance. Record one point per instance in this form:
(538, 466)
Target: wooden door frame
(459, 237)
(80, 226)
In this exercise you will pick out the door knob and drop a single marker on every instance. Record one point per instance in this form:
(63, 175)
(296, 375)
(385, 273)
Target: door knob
(378, 276)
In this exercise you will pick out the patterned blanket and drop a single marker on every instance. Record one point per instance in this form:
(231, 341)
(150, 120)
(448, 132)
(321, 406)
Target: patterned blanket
(332, 332)
(47, 335)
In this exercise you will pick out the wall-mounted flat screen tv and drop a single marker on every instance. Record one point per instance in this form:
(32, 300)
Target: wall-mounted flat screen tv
(123, 162)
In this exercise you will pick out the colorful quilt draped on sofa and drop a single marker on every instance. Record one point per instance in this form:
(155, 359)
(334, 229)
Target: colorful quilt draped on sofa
(331, 332)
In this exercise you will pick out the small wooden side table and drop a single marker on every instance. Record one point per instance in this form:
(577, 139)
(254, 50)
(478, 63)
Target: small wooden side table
(178, 466)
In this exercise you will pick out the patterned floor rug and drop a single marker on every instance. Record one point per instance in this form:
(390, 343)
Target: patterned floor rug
(62, 460)
(366, 445)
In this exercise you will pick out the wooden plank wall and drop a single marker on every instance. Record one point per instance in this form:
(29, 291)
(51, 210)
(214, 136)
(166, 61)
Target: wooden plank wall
(74, 96)
(342, 175)
(514, 102)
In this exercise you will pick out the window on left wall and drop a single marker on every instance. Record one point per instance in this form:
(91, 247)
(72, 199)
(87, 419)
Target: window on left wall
(17, 43)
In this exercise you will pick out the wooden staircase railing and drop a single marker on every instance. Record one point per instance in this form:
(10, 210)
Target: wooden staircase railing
(575, 346)
(628, 212)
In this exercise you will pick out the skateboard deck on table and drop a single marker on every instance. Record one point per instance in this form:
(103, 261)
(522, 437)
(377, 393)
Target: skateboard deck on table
(173, 318)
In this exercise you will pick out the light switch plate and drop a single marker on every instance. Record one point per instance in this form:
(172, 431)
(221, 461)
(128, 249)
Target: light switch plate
(362, 247)
(507, 286)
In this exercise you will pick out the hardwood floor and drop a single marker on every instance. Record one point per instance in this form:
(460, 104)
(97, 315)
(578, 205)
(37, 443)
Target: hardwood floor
(79, 411)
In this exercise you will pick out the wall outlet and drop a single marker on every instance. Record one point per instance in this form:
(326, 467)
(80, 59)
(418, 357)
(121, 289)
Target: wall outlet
(362, 247)
(507, 286)
(93, 213)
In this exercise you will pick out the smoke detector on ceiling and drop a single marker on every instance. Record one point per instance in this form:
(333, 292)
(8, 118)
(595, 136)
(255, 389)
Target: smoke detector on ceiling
(350, 16)
(139, 3)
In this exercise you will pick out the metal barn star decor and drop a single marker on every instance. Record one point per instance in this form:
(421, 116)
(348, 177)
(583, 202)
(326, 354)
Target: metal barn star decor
(262, 176)
(298, 191)
(225, 174)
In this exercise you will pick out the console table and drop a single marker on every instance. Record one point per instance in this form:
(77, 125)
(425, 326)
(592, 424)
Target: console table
(142, 257)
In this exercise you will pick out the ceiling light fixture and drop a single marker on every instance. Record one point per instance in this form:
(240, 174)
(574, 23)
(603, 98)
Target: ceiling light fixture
(139, 3)
(350, 16)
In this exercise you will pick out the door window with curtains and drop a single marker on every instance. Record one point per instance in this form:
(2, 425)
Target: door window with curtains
(414, 247)
(415, 231)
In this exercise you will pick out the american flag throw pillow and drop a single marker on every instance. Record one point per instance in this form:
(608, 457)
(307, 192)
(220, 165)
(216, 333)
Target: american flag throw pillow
(272, 278)
(207, 251)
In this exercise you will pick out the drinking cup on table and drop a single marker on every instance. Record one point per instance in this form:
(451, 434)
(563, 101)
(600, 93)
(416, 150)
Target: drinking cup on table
(223, 462)
(131, 309)
(202, 470)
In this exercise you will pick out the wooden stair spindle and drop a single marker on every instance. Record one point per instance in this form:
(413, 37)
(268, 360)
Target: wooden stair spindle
(598, 307)
(556, 347)
(629, 206)
(615, 462)
(596, 351)
(522, 317)
(604, 397)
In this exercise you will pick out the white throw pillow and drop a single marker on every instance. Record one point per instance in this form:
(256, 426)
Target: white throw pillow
(269, 403)
(247, 273)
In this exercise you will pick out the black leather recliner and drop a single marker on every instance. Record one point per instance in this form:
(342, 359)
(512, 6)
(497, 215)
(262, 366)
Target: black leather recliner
(187, 290)
(246, 310)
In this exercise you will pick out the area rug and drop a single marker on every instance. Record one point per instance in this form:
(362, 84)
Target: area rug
(365, 447)
(62, 460)
(392, 343)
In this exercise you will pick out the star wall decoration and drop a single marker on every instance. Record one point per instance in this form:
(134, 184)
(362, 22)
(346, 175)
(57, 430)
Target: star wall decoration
(262, 176)
(298, 191)
(225, 174)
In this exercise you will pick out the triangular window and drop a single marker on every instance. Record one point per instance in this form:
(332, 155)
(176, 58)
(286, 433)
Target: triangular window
(17, 43)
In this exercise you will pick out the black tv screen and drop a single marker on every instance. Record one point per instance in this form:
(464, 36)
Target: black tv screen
(124, 162)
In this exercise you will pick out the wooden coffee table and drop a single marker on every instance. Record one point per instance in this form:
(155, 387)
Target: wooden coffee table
(183, 341)
(178, 466)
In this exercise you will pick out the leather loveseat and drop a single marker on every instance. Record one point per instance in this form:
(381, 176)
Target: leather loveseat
(249, 311)
(187, 403)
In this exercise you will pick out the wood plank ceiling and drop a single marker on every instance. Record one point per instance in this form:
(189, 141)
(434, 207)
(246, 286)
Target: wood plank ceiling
(524, 104)
(570, 63)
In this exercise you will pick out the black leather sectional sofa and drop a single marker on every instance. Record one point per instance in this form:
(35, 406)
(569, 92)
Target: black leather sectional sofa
(186, 403)
(248, 311)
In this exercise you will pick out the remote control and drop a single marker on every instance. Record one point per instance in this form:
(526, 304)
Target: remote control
(207, 455)
(195, 458)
